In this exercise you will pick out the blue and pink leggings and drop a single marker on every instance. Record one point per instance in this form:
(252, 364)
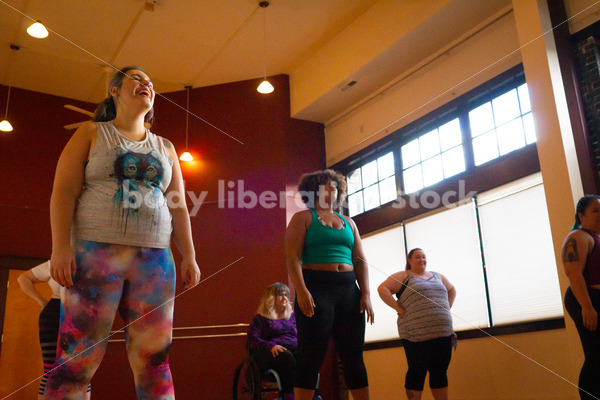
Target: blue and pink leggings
(139, 283)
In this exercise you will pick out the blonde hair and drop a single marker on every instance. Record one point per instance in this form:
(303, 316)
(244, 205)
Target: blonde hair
(267, 301)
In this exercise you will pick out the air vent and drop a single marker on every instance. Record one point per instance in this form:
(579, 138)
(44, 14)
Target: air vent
(346, 85)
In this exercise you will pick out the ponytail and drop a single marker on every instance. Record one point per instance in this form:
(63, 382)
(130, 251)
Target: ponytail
(581, 208)
(106, 111)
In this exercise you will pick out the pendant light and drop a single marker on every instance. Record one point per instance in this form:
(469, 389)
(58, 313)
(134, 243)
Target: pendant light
(265, 86)
(37, 30)
(5, 126)
(186, 156)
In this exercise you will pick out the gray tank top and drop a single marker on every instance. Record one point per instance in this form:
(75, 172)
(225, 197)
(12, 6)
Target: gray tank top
(427, 310)
(123, 199)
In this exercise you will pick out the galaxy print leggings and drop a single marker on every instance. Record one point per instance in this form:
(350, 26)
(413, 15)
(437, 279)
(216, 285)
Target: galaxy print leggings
(139, 283)
(48, 323)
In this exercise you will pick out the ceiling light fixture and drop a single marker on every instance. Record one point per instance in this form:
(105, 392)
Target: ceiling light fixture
(186, 156)
(37, 30)
(265, 86)
(5, 126)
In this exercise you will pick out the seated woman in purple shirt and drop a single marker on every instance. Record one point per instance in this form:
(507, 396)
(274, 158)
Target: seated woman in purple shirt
(272, 340)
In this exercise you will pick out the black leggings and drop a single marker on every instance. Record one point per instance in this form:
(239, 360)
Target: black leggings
(430, 355)
(589, 377)
(337, 314)
(284, 364)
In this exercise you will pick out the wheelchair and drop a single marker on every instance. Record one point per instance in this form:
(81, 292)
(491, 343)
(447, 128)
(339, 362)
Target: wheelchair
(249, 383)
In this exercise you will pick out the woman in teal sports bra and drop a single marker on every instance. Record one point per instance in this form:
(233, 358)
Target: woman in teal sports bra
(325, 261)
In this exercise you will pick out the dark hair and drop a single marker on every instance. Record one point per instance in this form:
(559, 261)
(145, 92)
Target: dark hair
(582, 206)
(107, 110)
(309, 184)
(409, 256)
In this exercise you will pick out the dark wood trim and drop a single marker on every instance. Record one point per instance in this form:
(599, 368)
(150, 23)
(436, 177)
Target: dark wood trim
(495, 173)
(566, 59)
(7, 263)
(524, 327)
(502, 170)
(590, 30)
(481, 94)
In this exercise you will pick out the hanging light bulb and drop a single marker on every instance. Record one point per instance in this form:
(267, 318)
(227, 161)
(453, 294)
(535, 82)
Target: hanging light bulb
(186, 156)
(37, 30)
(265, 86)
(5, 126)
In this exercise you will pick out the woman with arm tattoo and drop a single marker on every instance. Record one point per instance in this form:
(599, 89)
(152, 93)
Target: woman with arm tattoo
(581, 260)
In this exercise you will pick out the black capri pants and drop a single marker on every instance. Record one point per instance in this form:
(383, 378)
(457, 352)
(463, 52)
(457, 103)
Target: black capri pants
(430, 355)
(589, 376)
(283, 363)
(337, 315)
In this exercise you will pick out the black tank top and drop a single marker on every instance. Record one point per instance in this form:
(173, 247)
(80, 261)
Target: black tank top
(591, 272)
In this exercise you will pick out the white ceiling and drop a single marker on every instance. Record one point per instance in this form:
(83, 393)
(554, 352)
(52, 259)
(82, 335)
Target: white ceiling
(181, 42)
(203, 43)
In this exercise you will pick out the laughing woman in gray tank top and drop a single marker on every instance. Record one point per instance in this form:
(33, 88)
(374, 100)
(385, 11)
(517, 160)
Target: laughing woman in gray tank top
(112, 224)
(424, 323)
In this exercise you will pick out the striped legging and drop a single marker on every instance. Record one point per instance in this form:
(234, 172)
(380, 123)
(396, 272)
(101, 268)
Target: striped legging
(49, 322)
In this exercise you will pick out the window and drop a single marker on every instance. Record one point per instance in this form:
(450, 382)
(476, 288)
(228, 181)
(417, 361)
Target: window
(432, 157)
(385, 255)
(519, 281)
(464, 201)
(372, 185)
(454, 252)
(517, 243)
(447, 146)
(501, 125)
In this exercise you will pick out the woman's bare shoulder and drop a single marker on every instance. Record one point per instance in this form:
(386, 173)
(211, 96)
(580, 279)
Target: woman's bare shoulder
(580, 236)
(87, 128)
(303, 215)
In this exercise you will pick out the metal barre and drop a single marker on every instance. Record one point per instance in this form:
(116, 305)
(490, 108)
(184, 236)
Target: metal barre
(194, 337)
(197, 327)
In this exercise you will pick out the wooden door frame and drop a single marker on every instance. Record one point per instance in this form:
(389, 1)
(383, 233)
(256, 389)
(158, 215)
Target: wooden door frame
(7, 263)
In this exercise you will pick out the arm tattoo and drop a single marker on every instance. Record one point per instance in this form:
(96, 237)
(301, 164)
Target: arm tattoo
(410, 394)
(571, 251)
(168, 144)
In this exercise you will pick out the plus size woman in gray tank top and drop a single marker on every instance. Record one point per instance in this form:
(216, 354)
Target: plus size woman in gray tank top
(112, 224)
(424, 323)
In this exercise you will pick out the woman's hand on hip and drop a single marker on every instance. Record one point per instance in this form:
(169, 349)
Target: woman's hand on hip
(63, 267)
(590, 318)
(190, 273)
(401, 312)
(305, 302)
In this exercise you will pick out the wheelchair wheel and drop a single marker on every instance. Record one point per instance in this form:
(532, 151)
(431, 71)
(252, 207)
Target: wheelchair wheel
(246, 381)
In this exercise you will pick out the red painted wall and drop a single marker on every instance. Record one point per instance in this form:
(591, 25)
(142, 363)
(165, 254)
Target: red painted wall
(28, 157)
(274, 151)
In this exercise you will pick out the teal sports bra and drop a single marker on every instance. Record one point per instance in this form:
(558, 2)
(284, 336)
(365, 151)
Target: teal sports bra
(325, 244)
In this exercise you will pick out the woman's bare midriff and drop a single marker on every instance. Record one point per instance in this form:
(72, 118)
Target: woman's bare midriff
(332, 267)
(594, 286)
